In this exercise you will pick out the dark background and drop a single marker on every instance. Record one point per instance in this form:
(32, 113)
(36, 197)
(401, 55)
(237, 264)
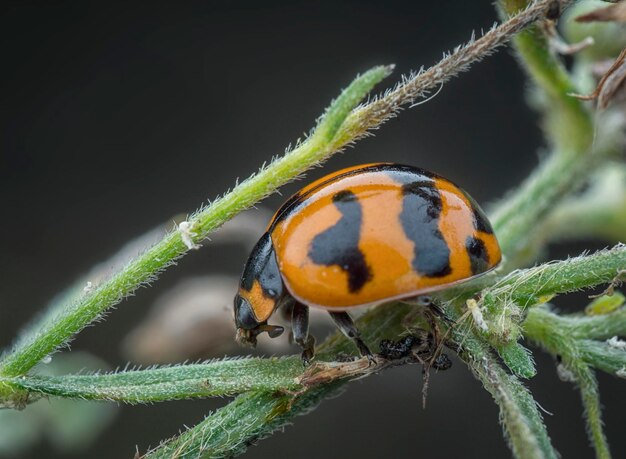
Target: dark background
(116, 118)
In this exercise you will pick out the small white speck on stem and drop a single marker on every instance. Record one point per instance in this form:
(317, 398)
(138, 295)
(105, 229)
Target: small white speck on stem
(477, 314)
(616, 343)
(186, 234)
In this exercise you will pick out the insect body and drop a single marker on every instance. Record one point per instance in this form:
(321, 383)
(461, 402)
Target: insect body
(361, 236)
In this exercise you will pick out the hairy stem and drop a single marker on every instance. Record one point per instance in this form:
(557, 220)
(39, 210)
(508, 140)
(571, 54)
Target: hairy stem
(588, 386)
(338, 128)
(320, 145)
(552, 333)
(530, 286)
(218, 378)
(570, 130)
(231, 430)
(578, 336)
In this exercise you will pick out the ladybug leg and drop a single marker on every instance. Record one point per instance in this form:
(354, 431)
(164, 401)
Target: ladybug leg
(286, 310)
(346, 325)
(300, 330)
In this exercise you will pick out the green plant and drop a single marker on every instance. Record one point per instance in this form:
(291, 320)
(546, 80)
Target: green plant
(492, 314)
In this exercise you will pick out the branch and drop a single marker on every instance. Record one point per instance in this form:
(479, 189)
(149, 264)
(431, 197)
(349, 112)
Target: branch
(561, 338)
(570, 129)
(524, 428)
(598, 213)
(569, 123)
(218, 378)
(537, 285)
(604, 356)
(334, 132)
(586, 338)
(231, 430)
(143, 269)
(255, 415)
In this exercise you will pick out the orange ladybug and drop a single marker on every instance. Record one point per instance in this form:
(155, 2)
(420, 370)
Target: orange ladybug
(364, 235)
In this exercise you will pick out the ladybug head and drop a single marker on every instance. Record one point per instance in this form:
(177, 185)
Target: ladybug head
(261, 291)
(248, 328)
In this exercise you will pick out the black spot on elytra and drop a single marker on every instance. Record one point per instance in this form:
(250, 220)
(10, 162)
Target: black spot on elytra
(481, 222)
(478, 255)
(399, 172)
(339, 244)
(421, 209)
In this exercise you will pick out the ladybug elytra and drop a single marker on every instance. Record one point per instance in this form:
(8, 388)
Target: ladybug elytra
(361, 236)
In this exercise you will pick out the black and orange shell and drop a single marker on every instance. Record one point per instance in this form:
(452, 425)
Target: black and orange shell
(378, 232)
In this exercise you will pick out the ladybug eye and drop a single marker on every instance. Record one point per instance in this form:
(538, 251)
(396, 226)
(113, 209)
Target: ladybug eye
(244, 317)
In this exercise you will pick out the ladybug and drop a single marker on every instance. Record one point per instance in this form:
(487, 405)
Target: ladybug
(361, 236)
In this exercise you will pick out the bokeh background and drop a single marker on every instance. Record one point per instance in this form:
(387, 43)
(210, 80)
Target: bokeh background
(115, 118)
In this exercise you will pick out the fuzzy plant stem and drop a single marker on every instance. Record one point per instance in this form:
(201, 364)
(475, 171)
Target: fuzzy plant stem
(524, 428)
(265, 377)
(531, 286)
(210, 379)
(590, 337)
(231, 430)
(339, 127)
(570, 130)
(318, 147)
(229, 377)
(598, 213)
(563, 337)
(255, 415)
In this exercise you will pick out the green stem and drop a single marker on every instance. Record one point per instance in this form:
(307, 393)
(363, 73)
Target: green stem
(603, 356)
(580, 335)
(218, 378)
(143, 269)
(256, 415)
(570, 124)
(541, 321)
(530, 286)
(526, 433)
(230, 430)
(554, 334)
(598, 213)
(588, 386)
(570, 130)
(338, 128)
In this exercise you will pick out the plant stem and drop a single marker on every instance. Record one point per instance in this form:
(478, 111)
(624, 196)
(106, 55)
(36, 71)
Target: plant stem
(588, 386)
(570, 130)
(145, 267)
(218, 378)
(604, 357)
(231, 430)
(577, 337)
(344, 126)
(530, 286)
(598, 213)
(552, 333)
(520, 417)
(570, 125)
(540, 321)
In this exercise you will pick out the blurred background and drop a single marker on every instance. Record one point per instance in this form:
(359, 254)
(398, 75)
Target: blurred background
(116, 121)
